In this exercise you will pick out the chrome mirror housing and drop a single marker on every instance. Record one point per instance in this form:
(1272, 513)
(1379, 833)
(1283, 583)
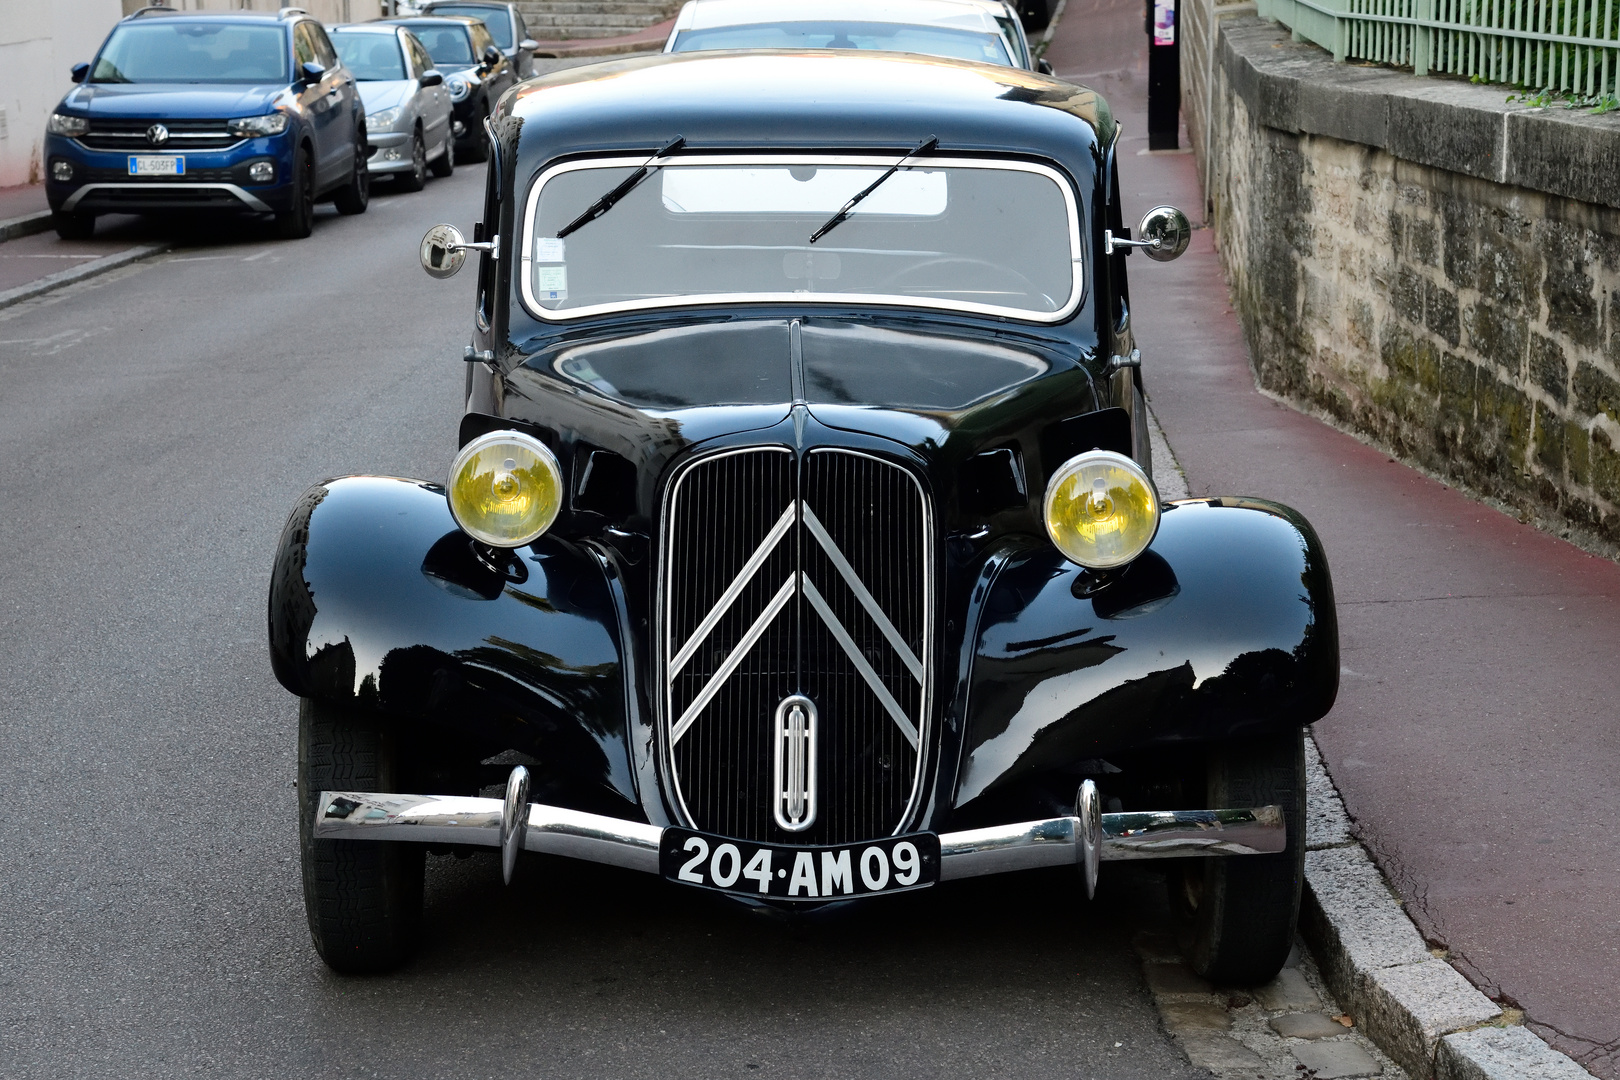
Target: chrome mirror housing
(444, 250)
(1166, 232)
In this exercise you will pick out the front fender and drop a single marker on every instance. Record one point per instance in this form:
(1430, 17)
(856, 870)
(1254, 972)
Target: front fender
(378, 600)
(1224, 628)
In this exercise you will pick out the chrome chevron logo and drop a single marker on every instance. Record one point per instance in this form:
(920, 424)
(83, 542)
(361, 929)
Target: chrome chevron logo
(796, 583)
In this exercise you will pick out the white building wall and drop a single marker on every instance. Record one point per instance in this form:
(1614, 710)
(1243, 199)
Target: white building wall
(41, 39)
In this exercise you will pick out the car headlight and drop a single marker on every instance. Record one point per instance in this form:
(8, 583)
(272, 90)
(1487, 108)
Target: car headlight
(63, 124)
(458, 87)
(1101, 509)
(505, 489)
(250, 126)
(382, 119)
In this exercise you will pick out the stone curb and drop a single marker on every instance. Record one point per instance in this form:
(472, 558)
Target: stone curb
(1418, 1009)
(26, 225)
(80, 273)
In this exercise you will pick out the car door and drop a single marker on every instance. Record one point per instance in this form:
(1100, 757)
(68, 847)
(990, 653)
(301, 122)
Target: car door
(318, 103)
(347, 114)
(435, 105)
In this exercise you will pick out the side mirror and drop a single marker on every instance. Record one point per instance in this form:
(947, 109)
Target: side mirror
(1045, 67)
(444, 250)
(1169, 227)
(492, 56)
(431, 77)
(528, 44)
(312, 72)
(78, 71)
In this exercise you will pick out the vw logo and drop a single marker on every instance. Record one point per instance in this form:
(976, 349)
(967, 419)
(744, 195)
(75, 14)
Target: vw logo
(157, 134)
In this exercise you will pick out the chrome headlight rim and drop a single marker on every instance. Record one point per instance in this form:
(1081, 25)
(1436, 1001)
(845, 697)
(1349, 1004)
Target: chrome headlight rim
(1075, 464)
(459, 87)
(528, 442)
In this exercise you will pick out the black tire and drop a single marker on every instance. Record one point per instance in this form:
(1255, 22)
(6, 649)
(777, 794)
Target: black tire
(74, 226)
(298, 220)
(477, 140)
(1238, 912)
(363, 898)
(1036, 15)
(416, 179)
(445, 163)
(353, 197)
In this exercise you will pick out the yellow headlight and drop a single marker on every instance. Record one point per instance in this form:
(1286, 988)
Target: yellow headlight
(1101, 509)
(505, 489)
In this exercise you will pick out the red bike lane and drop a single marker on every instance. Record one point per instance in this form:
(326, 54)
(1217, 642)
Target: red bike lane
(1476, 738)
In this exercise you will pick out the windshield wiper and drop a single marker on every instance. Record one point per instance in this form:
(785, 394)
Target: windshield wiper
(606, 202)
(837, 219)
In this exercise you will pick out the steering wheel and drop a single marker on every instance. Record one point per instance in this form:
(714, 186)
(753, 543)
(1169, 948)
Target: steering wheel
(1008, 274)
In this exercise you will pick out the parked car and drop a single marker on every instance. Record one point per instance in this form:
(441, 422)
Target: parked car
(506, 26)
(408, 110)
(984, 30)
(475, 70)
(802, 543)
(236, 112)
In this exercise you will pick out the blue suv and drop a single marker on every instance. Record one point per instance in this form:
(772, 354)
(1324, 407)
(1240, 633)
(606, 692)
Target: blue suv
(236, 112)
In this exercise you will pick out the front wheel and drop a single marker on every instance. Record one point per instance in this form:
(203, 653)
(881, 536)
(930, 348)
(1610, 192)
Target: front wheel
(353, 197)
(298, 220)
(74, 226)
(363, 898)
(416, 179)
(1237, 913)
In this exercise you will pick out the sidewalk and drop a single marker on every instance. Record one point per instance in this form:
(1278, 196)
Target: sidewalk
(1475, 739)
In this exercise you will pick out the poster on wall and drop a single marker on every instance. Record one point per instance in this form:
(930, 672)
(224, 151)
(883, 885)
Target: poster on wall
(1164, 22)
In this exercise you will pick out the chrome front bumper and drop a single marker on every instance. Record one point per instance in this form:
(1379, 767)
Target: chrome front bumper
(514, 824)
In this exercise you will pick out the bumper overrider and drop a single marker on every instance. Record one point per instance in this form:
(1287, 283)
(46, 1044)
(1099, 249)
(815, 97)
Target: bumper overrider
(514, 824)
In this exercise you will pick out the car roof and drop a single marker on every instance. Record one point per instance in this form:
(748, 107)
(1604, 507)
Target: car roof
(434, 5)
(878, 102)
(211, 16)
(434, 20)
(959, 14)
(366, 28)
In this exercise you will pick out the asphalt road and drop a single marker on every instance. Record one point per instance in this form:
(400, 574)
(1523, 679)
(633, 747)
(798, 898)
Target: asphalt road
(156, 424)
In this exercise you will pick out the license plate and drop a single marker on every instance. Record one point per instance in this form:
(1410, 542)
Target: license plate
(150, 165)
(894, 864)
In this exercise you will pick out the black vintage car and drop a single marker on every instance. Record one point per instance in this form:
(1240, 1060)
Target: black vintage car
(802, 543)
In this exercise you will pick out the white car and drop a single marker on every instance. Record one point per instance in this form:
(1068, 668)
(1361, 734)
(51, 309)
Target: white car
(408, 107)
(985, 30)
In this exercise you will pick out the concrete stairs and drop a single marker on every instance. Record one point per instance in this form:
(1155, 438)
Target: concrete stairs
(565, 20)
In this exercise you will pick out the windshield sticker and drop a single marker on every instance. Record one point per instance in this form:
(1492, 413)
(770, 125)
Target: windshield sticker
(551, 282)
(548, 249)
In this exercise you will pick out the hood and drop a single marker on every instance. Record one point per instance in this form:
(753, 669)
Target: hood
(380, 94)
(833, 364)
(179, 101)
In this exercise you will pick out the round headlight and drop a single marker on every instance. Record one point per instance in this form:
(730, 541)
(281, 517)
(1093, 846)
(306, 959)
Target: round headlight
(1101, 509)
(505, 489)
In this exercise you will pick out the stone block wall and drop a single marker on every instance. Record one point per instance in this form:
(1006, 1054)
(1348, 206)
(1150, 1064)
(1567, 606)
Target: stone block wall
(1433, 268)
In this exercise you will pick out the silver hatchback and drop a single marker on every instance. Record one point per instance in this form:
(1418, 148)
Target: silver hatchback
(407, 104)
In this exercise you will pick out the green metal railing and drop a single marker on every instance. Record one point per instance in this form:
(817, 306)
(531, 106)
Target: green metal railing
(1565, 46)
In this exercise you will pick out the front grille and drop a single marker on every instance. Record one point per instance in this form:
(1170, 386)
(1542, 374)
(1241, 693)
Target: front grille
(184, 135)
(721, 699)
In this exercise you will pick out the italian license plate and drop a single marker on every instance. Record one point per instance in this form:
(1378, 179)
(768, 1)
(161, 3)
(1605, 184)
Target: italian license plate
(894, 864)
(152, 165)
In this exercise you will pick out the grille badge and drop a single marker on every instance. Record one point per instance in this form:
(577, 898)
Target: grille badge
(157, 134)
(794, 764)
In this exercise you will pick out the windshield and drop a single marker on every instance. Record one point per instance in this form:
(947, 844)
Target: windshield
(892, 37)
(999, 238)
(371, 57)
(446, 44)
(499, 23)
(170, 52)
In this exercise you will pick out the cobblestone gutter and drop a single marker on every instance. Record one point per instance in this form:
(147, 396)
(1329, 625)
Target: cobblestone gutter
(1431, 267)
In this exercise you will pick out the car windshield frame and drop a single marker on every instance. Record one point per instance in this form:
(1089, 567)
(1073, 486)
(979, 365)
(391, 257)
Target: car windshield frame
(156, 28)
(1072, 205)
(850, 27)
(344, 34)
